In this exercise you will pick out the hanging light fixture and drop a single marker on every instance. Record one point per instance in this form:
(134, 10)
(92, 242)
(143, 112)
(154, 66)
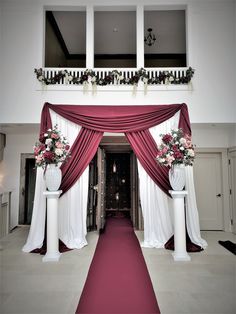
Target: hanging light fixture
(114, 167)
(150, 38)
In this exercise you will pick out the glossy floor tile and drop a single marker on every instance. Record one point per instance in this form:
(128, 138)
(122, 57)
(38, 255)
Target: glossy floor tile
(206, 285)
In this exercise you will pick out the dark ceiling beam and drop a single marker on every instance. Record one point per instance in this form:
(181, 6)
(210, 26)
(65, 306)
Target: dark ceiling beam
(51, 19)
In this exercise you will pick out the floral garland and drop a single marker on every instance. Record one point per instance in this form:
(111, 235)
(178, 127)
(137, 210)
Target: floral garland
(115, 77)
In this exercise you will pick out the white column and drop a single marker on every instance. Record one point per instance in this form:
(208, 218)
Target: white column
(52, 254)
(180, 253)
(90, 37)
(140, 36)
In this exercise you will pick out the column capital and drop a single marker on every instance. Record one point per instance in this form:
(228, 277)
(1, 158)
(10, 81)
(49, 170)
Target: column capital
(52, 194)
(178, 194)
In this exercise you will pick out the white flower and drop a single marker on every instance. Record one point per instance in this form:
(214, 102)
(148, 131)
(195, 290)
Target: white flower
(70, 78)
(174, 135)
(145, 80)
(121, 77)
(182, 140)
(40, 78)
(181, 148)
(45, 134)
(58, 152)
(93, 79)
(171, 79)
(48, 141)
(191, 152)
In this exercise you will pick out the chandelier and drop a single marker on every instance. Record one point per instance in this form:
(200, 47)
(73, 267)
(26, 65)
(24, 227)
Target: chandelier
(150, 38)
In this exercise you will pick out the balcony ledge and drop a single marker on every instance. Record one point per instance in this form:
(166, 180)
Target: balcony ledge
(110, 80)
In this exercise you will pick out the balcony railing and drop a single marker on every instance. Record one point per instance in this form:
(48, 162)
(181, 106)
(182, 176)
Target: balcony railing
(123, 78)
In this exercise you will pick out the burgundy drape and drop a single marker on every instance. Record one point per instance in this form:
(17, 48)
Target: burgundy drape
(134, 121)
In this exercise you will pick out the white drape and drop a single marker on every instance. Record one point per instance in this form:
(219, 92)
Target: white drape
(157, 207)
(72, 211)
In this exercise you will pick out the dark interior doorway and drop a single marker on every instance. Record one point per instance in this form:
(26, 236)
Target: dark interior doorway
(113, 184)
(118, 188)
(27, 188)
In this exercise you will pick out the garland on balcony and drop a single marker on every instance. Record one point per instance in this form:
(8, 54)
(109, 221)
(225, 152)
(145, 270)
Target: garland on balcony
(115, 77)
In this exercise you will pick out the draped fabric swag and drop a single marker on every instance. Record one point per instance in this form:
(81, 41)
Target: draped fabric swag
(138, 123)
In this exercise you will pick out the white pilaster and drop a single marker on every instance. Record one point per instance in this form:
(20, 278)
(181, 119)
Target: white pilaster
(140, 36)
(180, 253)
(90, 37)
(52, 254)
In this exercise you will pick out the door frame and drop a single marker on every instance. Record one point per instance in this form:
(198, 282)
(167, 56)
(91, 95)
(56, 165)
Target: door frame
(225, 183)
(232, 190)
(23, 158)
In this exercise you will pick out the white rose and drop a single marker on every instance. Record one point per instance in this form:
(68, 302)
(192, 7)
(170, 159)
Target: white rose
(171, 79)
(45, 134)
(181, 148)
(70, 78)
(191, 152)
(48, 141)
(58, 152)
(182, 140)
(174, 135)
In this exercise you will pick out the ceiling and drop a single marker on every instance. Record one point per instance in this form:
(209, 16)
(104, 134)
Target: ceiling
(115, 31)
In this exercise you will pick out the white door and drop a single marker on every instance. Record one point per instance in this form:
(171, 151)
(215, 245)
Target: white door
(208, 185)
(232, 176)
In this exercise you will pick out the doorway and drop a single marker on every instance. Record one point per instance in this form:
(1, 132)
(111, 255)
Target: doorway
(118, 187)
(113, 184)
(27, 188)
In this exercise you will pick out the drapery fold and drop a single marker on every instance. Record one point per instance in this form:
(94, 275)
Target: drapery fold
(134, 121)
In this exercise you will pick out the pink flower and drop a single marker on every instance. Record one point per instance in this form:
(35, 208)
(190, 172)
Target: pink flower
(54, 135)
(67, 147)
(59, 145)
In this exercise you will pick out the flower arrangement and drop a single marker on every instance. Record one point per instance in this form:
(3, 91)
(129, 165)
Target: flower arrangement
(175, 148)
(114, 77)
(53, 148)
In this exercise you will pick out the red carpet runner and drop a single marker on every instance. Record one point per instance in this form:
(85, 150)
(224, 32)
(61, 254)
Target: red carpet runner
(118, 280)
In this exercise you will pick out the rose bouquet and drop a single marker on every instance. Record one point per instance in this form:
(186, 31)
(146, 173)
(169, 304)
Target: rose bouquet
(53, 148)
(176, 148)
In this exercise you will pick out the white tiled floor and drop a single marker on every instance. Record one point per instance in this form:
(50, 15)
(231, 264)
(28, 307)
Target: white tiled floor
(206, 285)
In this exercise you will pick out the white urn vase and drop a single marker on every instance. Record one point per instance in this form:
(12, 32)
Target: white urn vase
(177, 177)
(53, 177)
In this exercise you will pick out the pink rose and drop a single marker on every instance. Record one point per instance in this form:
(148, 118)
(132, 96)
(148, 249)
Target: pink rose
(59, 145)
(67, 147)
(54, 135)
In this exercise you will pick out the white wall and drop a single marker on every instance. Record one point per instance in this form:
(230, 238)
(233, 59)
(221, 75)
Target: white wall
(10, 167)
(214, 136)
(211, 48)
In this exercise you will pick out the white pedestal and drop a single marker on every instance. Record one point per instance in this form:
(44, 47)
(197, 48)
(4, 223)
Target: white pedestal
(52, 254)
(180, 253)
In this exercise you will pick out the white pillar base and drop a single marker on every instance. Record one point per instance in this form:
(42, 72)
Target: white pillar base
(180, 254)
(52, 254)
(51, 257)
(184, 257)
